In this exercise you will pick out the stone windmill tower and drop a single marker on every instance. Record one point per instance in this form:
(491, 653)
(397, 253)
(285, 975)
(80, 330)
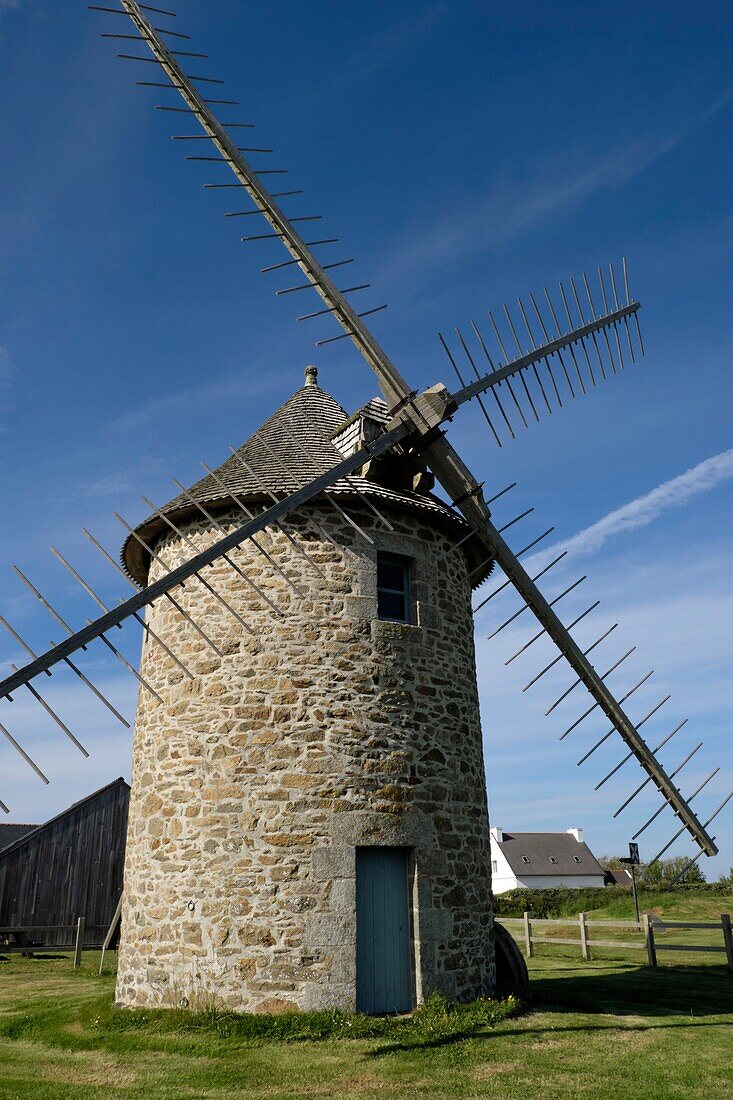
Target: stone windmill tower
(308, 824)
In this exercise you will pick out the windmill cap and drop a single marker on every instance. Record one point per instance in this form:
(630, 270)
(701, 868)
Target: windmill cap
(311, 375)
(295, 445)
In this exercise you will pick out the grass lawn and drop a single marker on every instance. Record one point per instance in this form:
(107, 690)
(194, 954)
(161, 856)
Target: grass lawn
(609, 1028)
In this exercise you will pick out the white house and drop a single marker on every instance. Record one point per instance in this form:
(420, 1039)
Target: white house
(541, 860)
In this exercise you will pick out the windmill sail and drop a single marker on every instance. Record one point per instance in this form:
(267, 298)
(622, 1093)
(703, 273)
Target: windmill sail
(574, 374)
(282, 227)
(596, 686)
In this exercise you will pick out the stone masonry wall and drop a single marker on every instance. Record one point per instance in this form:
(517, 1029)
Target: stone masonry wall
(322, 730)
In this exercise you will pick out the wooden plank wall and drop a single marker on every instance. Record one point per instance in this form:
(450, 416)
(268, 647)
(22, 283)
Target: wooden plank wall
(72, 867)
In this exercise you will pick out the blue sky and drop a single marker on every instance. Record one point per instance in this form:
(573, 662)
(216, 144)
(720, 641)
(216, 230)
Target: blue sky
(464, 154)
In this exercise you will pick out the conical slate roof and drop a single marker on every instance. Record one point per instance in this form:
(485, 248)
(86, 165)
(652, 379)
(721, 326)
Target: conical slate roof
(290, 449)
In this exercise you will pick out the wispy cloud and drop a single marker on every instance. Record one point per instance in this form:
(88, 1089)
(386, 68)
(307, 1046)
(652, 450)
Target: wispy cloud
(106, 486)
(384, 47)
(645, 509)
(114, 483)
(206, 396)
(7, 6)
(373, 53)
(511, 207)
(397, 38)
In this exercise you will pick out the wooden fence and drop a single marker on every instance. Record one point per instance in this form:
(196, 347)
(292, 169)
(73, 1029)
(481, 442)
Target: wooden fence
(647, 930)
(23, 937)
(654, 928)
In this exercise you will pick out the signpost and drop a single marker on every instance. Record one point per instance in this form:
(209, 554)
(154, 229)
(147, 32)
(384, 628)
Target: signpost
(633, 860)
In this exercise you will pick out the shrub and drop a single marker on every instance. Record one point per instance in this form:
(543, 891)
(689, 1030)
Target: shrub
(566, 901)
(665, 872)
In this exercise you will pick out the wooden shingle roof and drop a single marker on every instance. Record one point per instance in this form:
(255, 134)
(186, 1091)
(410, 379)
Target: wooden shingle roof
(291, 448)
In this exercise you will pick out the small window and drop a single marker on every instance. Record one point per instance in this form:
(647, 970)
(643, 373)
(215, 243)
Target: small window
(577, 859)
(393, 588)
(494, 867)
(525, 859)
(553, 859)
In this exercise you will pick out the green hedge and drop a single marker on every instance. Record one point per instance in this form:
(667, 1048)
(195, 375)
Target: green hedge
(565, 901)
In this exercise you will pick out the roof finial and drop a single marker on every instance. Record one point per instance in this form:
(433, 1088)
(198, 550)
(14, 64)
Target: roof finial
(311, 375)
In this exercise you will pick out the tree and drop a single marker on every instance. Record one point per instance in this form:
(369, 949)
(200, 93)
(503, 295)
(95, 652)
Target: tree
(665, 872)
(610, 863)
(727, 879)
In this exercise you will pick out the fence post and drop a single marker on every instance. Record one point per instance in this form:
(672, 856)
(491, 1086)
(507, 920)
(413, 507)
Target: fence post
(585, 947)
(651, 950)
(79, 942)
(528, 935)
(728, 937)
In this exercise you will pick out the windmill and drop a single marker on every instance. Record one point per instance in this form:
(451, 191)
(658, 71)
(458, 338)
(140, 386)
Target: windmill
(398, 443)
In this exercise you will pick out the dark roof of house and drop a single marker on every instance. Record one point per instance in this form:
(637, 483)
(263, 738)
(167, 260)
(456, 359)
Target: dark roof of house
(33, 830)
(538, 847)
(10, 832)
(618, 876)
(290, 449)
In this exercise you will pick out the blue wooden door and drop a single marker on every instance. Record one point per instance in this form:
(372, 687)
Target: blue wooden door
(383, 961)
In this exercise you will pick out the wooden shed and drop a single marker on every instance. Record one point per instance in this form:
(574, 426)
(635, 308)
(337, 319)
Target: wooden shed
(69, 867)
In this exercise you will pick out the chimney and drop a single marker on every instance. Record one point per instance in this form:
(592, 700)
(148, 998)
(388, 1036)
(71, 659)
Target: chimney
(497, 834)
(577, 833)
